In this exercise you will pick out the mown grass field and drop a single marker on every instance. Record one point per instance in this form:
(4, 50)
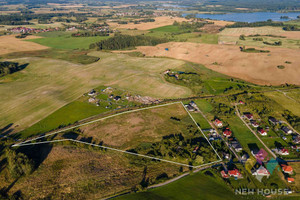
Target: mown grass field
(64, 40)
(196, 186)
(45, 85)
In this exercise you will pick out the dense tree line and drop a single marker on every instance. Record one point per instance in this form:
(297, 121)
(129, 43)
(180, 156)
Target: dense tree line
(23, 19)
(125, 41)
(254, 24)
(91, 34)
(9, 68)
(264, 23)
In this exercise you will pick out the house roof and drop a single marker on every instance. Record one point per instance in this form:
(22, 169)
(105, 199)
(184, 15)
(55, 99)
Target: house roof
(227, 132)
(218, 121)
(290, 179)
(234, 172)
(287, 168)
(262, 171)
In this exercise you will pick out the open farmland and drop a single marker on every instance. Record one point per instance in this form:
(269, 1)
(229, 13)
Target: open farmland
(9, 44)
(47, 84)
(259, 68)
(64, 40)
(153, 132)
(69, 172)
(266, 30)
(159, 21)
(145, 126)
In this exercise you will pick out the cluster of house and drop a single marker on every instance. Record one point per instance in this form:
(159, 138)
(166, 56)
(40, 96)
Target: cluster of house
(172, 73)
(288, 170)
(287, 131)
(254, 123)
(31, 30)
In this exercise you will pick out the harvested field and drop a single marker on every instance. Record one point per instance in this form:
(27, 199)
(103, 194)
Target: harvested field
(77, 173)
(146, 126)
(10, 44)
(266, 30)
(259, 68)
(159, 21)
(45, 85)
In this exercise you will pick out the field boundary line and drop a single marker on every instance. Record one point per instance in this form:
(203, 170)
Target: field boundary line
(200, 130)
(25, 143)
(114, 149)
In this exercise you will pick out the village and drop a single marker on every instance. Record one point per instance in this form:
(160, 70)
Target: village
(260, 161)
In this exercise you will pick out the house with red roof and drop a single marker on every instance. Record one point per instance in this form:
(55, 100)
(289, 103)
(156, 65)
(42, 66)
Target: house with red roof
(283, 152)
(290, 180)
(218, 123)
(287, 169)
(262, 132)
(224, 174)
(235, 173)
(249, 116)
(227, 132)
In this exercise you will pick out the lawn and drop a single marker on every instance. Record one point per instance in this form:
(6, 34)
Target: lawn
(46, 85)
(64, 40)
(242, 133)
(196, 186)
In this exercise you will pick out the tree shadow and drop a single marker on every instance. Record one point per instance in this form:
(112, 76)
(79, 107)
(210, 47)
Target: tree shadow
(37, 153)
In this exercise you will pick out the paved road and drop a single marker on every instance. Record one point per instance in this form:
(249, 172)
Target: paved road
(254, 133)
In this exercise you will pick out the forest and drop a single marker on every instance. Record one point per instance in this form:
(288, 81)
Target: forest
(126, 41)
(10, 67)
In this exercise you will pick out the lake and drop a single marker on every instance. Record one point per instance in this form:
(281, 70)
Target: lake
(249, 17)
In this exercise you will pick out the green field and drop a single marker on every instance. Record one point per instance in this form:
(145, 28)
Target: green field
(168, 29)
(64, 40)
(290, 101)
(45, 85)
(195, 186)
(242, 133)
(68, 114)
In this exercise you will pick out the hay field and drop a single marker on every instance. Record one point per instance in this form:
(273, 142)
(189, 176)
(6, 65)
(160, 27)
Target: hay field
(79, 173)
(45, 85)
(10, 44)
(259, 68)
(266, 30)
(159, 21)
(146, 126)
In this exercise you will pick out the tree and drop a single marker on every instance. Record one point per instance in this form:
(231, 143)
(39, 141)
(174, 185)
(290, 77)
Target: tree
(18, 164)
(199, 160)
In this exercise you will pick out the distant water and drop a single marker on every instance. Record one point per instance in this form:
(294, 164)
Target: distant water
(249, 17)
